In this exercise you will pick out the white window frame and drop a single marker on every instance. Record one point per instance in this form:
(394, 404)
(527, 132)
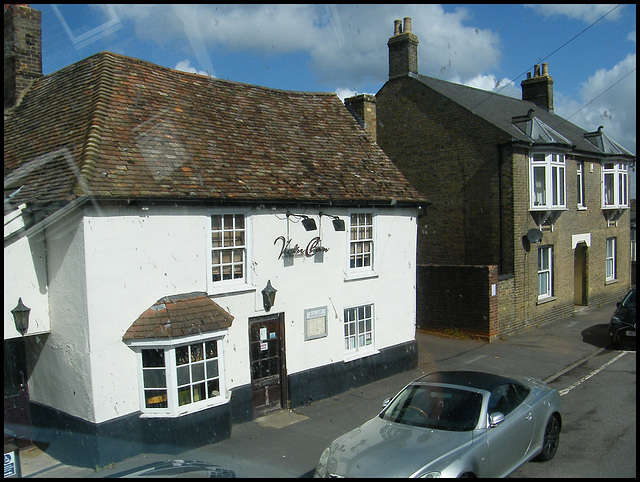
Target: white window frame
(355, 329)
(169, 347)
(548, 191)
(580, 189)
(615, 185)
(545, 272)
(361, 244)
(233, 284)
(611, 259)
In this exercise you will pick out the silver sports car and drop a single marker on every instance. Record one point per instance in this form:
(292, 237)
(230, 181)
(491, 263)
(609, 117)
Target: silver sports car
(452, 424)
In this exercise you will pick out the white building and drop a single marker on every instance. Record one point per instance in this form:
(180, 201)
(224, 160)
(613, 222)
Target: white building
(150, 213)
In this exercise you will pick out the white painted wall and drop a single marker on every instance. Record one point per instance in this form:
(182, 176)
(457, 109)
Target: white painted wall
(119, 262)
(24, 277)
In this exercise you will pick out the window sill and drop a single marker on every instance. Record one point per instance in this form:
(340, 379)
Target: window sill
(349, 357)
(231, 289)
(361, 276)
(548, 299)
(217, 403)
(581, 208)
(610, 281)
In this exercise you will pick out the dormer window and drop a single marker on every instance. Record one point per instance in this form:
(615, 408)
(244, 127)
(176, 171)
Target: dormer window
(615, 185)
(547, 182)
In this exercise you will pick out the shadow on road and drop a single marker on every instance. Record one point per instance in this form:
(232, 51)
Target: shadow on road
(596, 335)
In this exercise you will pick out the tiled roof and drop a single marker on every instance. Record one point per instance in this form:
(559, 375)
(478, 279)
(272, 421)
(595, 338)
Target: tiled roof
(500, 110)
(110, 126)
(178, 316)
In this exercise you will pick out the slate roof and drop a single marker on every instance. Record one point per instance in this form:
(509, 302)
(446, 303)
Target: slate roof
(543, 127)
(178, 316)
(115, 127)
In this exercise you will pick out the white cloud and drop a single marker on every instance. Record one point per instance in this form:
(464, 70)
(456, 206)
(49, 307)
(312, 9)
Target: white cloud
(185, 66)
(586, 12)
(608, 99)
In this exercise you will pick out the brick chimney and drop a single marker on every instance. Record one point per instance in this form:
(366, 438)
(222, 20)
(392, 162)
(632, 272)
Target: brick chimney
(539, 88)
(403, 49)
(22, 50)
(363, 108)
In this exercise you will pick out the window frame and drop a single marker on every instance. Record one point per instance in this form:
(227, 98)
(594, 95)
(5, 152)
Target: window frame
(365, 269)
(358, 350)
(545, 253)
(611, 259)
(617, 187)
(580, 188)
(554, 187)
(172, 385)
(233, 284)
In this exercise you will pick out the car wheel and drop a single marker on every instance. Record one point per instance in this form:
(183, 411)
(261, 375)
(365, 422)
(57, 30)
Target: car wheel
(551, 439)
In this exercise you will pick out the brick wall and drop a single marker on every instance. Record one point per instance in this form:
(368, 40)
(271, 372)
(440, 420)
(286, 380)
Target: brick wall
(458, 299)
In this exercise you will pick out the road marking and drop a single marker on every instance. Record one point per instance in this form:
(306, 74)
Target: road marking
(594, 372)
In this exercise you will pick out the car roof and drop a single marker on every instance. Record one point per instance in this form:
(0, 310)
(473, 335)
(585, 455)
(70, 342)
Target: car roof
(479, 380)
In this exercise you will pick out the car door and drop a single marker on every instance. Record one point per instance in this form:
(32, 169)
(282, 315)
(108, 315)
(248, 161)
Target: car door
(509, 441)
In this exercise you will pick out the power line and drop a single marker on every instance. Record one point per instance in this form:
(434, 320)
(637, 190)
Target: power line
(549, 55)
(603, 92)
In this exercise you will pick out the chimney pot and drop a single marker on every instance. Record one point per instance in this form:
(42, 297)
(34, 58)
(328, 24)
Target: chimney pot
(407, 24)
(545, 69)
(536, 70)
(397, 27)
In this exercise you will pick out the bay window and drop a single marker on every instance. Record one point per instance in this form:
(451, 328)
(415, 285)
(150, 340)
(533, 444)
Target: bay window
(182, 377)
(615, 185)
(547, 181)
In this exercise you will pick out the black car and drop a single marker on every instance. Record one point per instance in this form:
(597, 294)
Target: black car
(622, 327)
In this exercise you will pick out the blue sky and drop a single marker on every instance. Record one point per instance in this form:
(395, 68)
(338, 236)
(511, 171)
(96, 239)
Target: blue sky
(590, 49)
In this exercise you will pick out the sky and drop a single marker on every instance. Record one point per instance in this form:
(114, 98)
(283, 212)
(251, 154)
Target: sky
(590, 49)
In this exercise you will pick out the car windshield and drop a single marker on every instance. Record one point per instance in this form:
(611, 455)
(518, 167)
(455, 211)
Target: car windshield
(630, 300)
(435, 407)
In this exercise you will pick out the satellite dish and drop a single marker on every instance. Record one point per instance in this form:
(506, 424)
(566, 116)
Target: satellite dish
(534, 235)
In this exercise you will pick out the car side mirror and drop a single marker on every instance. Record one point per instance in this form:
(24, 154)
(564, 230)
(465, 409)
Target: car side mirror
(495, 419)
(386, 402)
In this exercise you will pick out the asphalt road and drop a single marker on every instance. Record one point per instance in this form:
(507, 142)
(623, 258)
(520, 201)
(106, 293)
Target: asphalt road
(598, 436)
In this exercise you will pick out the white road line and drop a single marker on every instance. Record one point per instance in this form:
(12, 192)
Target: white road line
(594, 372)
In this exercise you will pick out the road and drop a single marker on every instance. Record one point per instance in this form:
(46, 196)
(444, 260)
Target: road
(598, 436)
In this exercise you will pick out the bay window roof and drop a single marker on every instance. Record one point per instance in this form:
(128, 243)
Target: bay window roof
(178, 316)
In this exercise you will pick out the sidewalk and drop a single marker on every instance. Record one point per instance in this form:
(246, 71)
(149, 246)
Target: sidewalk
(288, 443)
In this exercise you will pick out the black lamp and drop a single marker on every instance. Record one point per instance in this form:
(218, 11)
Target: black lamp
(309, 224)
(268, 296)
(21, 317)
(338, 224)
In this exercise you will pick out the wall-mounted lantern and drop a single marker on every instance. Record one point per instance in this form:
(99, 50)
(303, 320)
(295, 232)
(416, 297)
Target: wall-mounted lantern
(268, 296)
(21, 317)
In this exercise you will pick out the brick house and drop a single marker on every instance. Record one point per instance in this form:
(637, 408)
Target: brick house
(530, 213)
(194, 253)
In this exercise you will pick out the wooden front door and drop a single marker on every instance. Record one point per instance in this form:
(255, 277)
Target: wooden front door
(268, 369)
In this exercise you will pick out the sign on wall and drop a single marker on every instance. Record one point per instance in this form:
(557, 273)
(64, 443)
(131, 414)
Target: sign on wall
(315, 323)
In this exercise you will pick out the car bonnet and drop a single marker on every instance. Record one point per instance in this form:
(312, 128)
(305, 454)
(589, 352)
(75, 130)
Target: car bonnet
(380, 448)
